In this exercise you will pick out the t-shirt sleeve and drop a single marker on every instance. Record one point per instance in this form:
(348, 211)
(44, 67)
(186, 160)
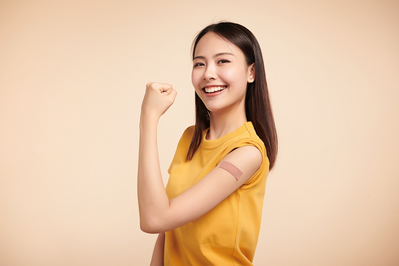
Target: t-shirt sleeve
(182, 146)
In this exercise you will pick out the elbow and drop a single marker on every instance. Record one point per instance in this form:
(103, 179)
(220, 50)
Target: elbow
(151, 227)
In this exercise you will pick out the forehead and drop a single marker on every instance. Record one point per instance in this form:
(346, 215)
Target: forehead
(211, 44)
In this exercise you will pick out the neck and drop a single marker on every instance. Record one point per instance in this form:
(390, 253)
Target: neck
(222, 123)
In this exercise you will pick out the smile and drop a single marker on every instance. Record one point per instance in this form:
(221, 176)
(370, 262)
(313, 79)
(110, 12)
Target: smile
(214, 89)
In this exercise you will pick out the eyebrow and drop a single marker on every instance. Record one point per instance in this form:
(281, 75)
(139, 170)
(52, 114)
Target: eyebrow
(216, 55)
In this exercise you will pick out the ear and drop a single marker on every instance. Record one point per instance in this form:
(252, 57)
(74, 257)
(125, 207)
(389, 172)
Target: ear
(251, 73)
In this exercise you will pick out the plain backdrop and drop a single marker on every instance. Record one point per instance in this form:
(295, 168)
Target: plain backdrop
(72, 77)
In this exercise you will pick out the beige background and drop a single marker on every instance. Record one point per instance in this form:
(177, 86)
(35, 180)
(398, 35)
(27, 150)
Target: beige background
(72, 77)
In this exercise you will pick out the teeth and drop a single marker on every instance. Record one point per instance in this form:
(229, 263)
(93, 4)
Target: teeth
(213, 89)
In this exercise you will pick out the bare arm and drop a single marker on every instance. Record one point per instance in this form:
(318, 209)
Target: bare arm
(152, 196)
(157, 212)
(157, 255)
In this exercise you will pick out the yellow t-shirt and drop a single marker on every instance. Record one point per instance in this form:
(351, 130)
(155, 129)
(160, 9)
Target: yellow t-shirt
(228, 234)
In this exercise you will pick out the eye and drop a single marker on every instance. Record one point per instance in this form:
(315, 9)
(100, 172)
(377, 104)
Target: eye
(223, 61)
(198, 64)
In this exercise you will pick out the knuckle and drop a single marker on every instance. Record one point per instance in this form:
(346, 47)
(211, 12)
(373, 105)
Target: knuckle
(149, 86)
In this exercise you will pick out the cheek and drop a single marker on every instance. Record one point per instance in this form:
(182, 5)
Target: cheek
(195, 78)
(234, 75)
(230, 74)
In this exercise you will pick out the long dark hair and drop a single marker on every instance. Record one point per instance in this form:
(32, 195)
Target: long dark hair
(257, 104)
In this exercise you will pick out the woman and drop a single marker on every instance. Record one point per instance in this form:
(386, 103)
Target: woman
(210, 211)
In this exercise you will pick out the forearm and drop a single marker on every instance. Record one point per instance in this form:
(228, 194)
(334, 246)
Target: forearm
(157, 255)
(152, 197)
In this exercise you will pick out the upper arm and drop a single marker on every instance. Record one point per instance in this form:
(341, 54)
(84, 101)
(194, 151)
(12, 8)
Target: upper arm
(212, 189)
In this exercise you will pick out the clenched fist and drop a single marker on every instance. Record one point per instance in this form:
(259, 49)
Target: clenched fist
(157, 99)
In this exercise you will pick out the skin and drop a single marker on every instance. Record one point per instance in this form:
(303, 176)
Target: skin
(217, 62)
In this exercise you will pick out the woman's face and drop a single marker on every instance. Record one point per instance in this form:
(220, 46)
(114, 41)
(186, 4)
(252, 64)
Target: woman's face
(220, 73)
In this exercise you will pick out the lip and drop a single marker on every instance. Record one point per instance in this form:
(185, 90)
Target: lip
(211, 87)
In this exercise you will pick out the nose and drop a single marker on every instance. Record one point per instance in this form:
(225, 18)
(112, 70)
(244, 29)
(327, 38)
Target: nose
(210, 73)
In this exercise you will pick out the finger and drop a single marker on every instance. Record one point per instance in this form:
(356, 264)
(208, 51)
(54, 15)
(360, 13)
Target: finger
(165, 88)
(161, 87)
(173, 93)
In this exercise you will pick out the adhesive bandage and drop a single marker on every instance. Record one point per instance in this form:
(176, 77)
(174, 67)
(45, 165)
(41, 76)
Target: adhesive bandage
(231, 168)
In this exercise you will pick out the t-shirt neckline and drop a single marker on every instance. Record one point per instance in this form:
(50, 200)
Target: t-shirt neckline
(209, 144)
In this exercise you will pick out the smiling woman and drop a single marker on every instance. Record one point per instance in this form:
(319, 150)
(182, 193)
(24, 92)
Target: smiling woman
(210, 211)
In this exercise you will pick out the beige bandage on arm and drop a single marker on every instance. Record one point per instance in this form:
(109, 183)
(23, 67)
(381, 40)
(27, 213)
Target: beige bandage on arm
(231, 168)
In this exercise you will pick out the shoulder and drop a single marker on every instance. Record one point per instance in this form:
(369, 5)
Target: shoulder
(188, 132)
(248, 137)
(185, 140)
(187, 135)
